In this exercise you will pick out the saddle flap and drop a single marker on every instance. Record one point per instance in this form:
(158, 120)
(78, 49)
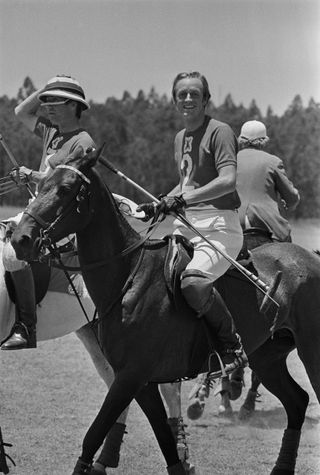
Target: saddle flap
(179, 254)
(41, 275)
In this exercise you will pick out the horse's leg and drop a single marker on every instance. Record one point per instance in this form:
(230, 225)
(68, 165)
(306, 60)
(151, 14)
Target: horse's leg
(225, 408)
(269, 361)
(150, 401)
(171, 393)
(197, 395)
(248, 407)
(110, 453)
(123, 389)
(230, 389)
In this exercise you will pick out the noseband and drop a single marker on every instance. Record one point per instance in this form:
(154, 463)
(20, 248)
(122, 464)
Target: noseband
(47, 228)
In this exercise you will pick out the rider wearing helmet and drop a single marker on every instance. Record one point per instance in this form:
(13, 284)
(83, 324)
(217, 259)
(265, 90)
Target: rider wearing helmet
(63, 101)
(265, 191)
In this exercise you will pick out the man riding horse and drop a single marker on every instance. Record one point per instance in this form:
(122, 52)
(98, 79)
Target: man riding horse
(205, 154)
(64, 101)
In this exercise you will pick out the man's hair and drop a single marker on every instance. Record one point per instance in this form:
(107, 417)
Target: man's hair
(259, 143)
(192, 74)
(79, 110)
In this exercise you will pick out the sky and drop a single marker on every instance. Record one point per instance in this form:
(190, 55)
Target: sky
(267, 50)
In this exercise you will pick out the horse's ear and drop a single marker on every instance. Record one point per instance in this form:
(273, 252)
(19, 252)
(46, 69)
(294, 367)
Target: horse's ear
(92, 154)
(77, 153)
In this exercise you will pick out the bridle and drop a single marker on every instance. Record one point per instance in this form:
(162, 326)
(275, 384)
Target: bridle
(47, 228)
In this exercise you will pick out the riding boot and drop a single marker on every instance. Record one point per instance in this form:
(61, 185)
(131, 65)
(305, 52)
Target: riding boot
(23, 333)
(203, 297)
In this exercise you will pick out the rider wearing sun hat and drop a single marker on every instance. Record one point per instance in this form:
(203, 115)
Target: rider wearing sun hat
(63, 100)
(265, 191)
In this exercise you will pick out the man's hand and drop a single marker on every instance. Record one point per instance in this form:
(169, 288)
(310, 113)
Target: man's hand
(149, 210)
(171, 204)
(21, 175)
(167, 205)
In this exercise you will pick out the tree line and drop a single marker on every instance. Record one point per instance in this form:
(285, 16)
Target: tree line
(138, 134)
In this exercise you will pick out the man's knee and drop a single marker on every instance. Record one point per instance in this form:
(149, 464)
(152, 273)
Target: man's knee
(197, 289)
(9, 259)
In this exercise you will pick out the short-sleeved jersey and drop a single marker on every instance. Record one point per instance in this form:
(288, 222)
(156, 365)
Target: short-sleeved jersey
(57, 145)
(201, 154)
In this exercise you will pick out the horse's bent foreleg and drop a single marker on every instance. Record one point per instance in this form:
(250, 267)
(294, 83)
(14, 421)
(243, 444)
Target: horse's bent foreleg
(120, 395)
(273, 373)
(171, 393)
(248, 407)
(150, 401)
(88, 338)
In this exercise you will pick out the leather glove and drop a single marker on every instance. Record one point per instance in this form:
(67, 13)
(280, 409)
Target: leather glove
(171, 204)
(21, 175)
(149, 210)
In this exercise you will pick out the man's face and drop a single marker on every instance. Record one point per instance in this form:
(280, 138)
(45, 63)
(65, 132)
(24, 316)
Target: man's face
(59, 109)
(189, 97)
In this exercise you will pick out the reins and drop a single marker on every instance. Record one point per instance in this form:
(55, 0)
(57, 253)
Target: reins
(46, 228)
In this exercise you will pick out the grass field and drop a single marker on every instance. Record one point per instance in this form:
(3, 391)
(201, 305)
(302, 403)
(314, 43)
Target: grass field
(50, 395)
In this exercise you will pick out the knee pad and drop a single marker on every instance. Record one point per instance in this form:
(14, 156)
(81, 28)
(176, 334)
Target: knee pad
(197, 289)
(9, 259)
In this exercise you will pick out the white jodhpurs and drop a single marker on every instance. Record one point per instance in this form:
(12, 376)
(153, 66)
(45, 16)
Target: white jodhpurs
(222, 228)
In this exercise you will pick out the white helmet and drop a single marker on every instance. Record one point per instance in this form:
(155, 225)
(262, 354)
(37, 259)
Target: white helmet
(252, 130)
(65, 87)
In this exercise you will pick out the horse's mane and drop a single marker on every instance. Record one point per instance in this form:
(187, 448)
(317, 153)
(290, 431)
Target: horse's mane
(317, 252)
(124, 223)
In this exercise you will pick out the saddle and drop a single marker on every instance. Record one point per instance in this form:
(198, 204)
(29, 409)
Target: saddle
(252, 237)
(180, 253)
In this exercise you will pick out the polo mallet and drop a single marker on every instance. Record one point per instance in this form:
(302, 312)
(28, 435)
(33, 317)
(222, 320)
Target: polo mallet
(262, 286)
(14, 162)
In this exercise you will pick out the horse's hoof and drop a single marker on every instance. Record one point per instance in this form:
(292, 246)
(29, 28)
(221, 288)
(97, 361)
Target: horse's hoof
(98, 469)
(189, 468)
(195, 409)
(248, 406)
(225, 411)
(281, 471)
(82, 468)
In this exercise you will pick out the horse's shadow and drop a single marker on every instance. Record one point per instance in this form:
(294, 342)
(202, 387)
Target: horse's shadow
(273, 419)
(263, 419)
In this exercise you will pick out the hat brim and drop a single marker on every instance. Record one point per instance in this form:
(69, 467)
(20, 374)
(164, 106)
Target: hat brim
(64, 94)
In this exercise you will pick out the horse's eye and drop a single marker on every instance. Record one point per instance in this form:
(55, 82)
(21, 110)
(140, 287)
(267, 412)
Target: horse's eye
(64, 191)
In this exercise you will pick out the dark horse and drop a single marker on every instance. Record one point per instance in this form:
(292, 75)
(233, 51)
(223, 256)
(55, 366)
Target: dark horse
(145, 337)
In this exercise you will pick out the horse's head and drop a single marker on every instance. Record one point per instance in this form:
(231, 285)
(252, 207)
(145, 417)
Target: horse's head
(62, 206)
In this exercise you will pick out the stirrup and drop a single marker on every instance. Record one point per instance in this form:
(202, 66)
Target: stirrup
(240, 360)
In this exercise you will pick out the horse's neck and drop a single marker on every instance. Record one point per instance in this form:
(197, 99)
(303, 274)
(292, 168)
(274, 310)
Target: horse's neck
(108, 233)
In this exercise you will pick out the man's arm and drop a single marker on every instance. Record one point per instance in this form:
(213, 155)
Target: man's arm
(27, 110)
(287, 191)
